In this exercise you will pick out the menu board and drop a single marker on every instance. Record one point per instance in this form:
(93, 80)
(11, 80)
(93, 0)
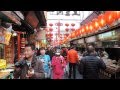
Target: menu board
(91, 39)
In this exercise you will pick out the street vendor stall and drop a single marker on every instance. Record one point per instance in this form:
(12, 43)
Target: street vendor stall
(112, 70)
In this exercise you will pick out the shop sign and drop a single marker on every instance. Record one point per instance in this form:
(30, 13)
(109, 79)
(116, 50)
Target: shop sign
(5, 37)
(107, 36)
(91, 39)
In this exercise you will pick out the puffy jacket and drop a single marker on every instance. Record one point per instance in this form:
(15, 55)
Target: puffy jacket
(90, 66)
(72, 56)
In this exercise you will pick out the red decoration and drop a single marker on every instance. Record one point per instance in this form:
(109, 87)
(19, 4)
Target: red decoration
(90, 26)
(86, 28)
(101, 20)
(73, 24)
(67, 29)
(67, 34)
(109, 17)
(116, 14)
(67, 24)
(73, 35)
(95, 24)
(51, 29)
(73, 29)
(50, 24)
(22, 42)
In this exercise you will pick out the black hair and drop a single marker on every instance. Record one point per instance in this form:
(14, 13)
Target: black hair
(42, 48)
(30, 45)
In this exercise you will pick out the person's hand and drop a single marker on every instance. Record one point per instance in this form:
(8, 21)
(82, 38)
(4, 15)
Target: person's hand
(30, 73)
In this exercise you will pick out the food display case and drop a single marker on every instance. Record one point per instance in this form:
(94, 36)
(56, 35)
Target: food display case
(112, 70)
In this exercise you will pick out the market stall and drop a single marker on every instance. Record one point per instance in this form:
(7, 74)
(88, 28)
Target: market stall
(112, 70)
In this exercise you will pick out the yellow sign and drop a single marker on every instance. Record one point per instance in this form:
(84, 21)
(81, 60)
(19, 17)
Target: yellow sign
(7, 37)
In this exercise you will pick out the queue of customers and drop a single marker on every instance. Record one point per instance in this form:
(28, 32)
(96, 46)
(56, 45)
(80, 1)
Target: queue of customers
(58, 63)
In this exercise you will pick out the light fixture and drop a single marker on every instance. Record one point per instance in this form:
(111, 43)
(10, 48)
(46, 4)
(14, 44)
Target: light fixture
(14, 34)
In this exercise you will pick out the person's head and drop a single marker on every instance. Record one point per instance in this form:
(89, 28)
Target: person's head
(72, 47)
(42, 51)
(90, 49)
(58, 52)
(29, 50)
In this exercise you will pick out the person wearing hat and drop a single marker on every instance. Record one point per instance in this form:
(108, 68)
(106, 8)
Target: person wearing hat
(58, 65)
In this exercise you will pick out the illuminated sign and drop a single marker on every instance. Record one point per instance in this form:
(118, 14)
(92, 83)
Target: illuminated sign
(106, 36)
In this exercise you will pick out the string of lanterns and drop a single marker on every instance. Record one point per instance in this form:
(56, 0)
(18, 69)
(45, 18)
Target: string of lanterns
(108, 18)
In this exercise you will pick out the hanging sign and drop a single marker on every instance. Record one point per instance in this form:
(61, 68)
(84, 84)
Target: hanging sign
(4, 36)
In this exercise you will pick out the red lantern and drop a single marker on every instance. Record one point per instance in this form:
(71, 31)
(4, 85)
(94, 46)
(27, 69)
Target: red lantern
(73, 29)
(23, 43)
(67, 29)
(116, 14)
(51, 24)
(109, 17)
(73, 24)
(82, 30)
(73, 35)
(50, 29)
(90, 27)
(101, 20)
(76, 33)
(95, 24)
(51, 34)
(67, 24)
(86, 28)
(66, 35)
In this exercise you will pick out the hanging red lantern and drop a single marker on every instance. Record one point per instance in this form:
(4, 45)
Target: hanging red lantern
(95, 24)
(79, 31)
(73, 29)
(109, 17)
(67, 24)
(51, 24)
(51, 34)
(22, 42)
(101, 20)
(86, 28)
(90, 27)
(76, 33)
(117, 14)
(51, 29)
(82, 30)
(66, 34)
(67, 29)
(73, 24)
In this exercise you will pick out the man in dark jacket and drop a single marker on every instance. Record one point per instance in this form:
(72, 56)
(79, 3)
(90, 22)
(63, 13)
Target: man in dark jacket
(30, 67)
(50, 52)
(90, 65)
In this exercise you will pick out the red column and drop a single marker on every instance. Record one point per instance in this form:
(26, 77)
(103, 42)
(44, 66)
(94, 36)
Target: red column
(18, 40)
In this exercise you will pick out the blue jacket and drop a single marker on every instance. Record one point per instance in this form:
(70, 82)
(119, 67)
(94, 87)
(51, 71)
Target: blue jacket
(46, 60)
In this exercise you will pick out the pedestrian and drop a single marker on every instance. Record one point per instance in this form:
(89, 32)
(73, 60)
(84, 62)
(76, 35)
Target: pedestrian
(30, 67)
(90, 65)
(50, 52)
(73, 59)
(58, 65)
(46, 62)
(103, 54)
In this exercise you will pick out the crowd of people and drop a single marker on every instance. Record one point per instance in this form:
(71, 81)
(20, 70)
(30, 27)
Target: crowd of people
(54, 63)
